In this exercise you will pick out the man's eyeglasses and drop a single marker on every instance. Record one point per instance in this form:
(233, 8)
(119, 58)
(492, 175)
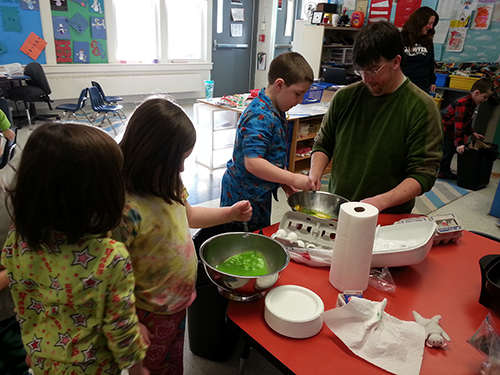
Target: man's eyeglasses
(372, 72)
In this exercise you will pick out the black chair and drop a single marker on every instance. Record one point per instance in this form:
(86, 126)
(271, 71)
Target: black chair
(37, 89)
(73, 108)
(10, 146)
(98, 105)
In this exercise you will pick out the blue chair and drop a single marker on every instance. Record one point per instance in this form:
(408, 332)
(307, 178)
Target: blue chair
(107, 99)
(73, 108)
(98, 106)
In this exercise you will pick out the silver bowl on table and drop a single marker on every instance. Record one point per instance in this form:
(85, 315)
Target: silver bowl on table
(217, 249)
(317, 203)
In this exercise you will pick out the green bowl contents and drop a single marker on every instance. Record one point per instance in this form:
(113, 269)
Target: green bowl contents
(250, 263)
(307, 211)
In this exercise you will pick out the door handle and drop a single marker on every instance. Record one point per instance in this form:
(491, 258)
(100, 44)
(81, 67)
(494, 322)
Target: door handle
(289, 46)
(225, 45)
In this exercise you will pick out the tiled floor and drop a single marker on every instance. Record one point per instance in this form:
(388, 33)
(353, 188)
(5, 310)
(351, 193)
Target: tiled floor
(203, 186)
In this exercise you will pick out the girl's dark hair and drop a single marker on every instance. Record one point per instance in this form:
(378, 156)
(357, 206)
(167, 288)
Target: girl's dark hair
(69, 180)
(158, 135)
(376, 41)
(412, 28)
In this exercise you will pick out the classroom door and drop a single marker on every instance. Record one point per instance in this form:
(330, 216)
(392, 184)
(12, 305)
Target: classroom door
(287, 10)
(233, 48)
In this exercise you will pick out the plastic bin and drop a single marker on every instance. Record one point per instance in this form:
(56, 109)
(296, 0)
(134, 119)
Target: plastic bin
(313, 95)
(438, 101)
(442, 80)
(209, 335)
(462, 83)
(475, 165)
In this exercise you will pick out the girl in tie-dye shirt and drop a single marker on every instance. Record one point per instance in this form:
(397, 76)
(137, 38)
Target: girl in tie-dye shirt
(155, 225)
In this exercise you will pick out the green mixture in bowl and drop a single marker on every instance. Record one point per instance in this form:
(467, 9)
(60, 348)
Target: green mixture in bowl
(250, 263)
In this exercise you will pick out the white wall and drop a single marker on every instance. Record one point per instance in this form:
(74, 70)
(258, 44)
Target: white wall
(182, 80)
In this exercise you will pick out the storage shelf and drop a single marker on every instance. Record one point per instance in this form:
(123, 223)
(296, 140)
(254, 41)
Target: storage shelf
(306, 137)
(337, 45)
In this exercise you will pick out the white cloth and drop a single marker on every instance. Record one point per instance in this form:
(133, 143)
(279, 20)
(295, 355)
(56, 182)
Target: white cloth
(392, 344)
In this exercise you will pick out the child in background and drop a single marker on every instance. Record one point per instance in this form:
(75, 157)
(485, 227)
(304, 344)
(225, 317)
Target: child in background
(71, 284)
(155, 226)
(457, 122)
(5, 128)
(258, 165)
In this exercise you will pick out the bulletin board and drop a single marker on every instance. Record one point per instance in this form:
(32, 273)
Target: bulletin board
(80, 32)
(18, 20)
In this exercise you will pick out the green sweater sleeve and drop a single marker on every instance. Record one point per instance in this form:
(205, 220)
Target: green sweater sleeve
(377, 142)
(4, 121)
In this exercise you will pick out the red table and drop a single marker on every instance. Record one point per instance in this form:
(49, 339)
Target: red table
(446, 283)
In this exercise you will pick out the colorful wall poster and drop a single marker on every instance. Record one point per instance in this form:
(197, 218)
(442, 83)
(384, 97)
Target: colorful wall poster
(59, 5)
(33, 46)
(30, 5)
(404, 9)
(81, 52)
(98, 28)
(456, 39)
(482, 16)
(61, 28)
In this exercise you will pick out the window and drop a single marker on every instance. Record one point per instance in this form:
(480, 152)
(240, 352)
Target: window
(161, 30)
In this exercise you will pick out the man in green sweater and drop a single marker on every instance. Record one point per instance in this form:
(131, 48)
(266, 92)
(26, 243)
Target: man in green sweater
(384, 134)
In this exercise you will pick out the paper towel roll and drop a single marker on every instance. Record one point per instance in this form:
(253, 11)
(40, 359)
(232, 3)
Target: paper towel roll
(352, 253)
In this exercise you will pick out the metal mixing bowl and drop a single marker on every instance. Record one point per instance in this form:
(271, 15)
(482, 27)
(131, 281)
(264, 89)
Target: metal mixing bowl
(217, 249)
(317, 201)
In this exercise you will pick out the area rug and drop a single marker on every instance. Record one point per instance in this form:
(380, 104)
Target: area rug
(443, 192)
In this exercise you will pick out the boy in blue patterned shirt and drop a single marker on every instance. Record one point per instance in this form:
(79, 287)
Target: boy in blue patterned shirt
(258, 165)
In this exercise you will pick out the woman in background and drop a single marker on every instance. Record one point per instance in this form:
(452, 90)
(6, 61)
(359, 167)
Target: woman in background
(418, 34)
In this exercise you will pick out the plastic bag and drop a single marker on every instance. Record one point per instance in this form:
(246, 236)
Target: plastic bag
(381, 279)
(487, 341)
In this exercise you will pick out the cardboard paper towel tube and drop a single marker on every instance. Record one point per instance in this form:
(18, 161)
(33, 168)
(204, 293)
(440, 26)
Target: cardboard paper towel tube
(353, 249)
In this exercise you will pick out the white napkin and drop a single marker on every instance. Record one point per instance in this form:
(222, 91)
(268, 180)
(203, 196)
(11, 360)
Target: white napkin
(392, 344)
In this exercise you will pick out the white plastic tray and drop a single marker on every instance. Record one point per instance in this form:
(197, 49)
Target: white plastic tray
(311, 240)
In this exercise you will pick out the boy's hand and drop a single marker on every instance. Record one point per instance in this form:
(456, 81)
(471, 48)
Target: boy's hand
(478, 136)
(241, 211)
(289, 190)
(461, 149)
(303, 182)
(9, 134)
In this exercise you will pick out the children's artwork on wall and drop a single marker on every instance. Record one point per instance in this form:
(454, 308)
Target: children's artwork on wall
(98, 49)
(3, 48)
(96, 6)
(61, 28)
(79, 23)
(482, 17)
(456, 39)
(83, 3)
(10, 19)
(463, 15)
(495, 17)
(33, 46)
(30, 5)
(98, 28)
(59, 5)
(63, 51)
(81, 50)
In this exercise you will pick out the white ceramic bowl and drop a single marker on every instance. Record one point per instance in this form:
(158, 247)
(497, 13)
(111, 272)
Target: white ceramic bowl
(416, 240)
(294, 311)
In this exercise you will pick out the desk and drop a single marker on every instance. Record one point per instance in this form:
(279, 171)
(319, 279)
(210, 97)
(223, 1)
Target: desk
(447, 283)
(20, 79)
(305, 114)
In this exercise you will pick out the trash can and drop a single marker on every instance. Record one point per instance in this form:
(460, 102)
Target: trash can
(475, 165)
(209, 335)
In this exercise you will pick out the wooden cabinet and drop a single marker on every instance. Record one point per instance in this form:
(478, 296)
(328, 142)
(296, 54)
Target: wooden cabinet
(303, 132)
(324, 45)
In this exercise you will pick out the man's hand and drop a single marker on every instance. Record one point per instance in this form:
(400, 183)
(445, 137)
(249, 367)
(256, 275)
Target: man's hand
(461, 149)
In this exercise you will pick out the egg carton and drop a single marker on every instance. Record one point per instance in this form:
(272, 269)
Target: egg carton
(299, 230)
(447, 230)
